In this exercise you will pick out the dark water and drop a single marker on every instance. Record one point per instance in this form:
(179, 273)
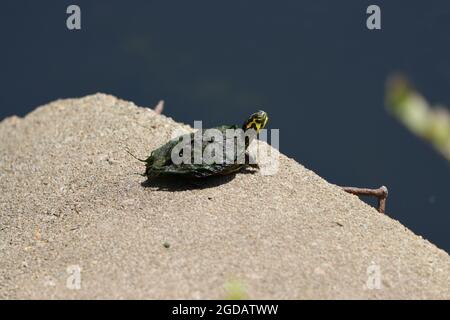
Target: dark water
(312, 65)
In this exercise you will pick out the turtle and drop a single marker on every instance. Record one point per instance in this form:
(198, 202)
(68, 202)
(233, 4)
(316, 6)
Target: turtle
(161, 160)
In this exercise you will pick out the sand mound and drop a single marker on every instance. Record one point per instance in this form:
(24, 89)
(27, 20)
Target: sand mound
(70, 200)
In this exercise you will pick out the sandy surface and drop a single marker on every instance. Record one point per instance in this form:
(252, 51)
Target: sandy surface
(70, 197)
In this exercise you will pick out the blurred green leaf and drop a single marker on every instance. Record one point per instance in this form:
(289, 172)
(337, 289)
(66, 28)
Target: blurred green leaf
(431, 123)
(235, 290)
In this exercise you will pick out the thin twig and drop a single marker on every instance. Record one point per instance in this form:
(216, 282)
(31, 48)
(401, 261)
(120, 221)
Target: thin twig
(159, 107)
(381, 193)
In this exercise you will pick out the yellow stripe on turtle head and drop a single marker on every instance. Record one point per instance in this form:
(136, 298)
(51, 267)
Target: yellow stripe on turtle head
(256, 121)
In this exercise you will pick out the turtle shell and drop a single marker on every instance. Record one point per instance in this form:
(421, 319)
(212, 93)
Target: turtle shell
(160, 163)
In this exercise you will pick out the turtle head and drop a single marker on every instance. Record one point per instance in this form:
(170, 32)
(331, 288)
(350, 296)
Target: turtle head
(256, 121)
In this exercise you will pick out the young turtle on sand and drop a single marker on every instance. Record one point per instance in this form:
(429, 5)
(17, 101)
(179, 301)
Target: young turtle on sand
(161, 161)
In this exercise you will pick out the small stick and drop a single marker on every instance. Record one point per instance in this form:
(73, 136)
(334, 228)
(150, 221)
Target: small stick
(381, 193)
(159, 107)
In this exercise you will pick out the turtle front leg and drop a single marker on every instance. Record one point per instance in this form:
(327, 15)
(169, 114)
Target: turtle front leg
(251, 161)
